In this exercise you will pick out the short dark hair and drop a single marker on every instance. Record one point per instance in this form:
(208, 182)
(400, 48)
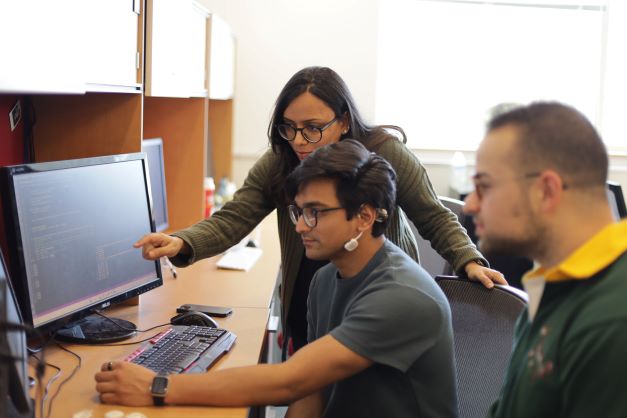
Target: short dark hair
(360, 176)
(328, 86)
(556, 136)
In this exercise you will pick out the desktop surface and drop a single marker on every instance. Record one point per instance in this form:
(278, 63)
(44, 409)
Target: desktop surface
(79, 393)
(248, 293)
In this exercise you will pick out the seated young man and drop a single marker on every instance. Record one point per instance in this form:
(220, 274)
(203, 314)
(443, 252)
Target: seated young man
(379, 327)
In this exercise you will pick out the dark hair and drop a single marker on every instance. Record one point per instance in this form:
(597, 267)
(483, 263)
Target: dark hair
(361, 177)
(557, 136)
(328, 86)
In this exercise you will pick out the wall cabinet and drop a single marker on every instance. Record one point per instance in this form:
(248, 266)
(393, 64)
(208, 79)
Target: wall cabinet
(82, 68)
(68, 46)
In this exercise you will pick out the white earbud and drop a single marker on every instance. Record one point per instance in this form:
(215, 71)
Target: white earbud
(352, 243)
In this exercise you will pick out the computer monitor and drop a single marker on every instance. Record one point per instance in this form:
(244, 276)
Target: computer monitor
(154, 151)
(70, 230)
(13, 354)
(616, 200)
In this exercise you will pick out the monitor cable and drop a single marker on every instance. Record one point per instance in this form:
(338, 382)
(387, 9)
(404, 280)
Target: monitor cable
(74, 371)
(43, 394)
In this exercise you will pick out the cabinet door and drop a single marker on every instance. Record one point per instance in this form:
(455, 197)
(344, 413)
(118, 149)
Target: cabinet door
(175, 48)
(198, 53)
(112, 56)
(40, 48)
(222, 60)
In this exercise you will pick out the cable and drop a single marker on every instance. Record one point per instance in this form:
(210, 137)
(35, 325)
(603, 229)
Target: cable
(40, 369)
(78, 366)
(44, 395)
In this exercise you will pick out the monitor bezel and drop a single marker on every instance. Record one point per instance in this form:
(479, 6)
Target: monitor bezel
(15, 247)
(158, 142)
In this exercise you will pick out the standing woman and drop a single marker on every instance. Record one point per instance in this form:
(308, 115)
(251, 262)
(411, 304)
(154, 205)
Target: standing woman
(314, 109)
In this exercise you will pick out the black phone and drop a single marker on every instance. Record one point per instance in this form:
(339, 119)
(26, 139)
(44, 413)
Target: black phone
(219, 311)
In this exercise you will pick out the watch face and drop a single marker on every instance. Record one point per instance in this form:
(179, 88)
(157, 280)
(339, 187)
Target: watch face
(159, 385)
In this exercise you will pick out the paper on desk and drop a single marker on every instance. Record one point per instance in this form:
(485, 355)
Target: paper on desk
(239, 258)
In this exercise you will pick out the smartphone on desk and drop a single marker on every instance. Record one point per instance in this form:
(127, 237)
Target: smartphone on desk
(219, 311)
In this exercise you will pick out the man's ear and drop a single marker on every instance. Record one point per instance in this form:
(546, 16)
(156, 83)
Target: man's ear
(552, 187)
(367, 216)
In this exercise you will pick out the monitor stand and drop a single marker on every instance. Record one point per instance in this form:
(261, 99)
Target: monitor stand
(96, 329)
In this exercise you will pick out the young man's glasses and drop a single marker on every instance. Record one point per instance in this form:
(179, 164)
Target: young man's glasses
(311, 133)
(310, 215)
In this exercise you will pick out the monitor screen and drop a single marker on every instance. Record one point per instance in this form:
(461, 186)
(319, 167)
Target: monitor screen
(616, 199)
(70, 227)
(13, 346)
(154, 152)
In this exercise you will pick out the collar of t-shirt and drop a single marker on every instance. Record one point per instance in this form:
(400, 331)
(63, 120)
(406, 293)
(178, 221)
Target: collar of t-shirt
(593, 256)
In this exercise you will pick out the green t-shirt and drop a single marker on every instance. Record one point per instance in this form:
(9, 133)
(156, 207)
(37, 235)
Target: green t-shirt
(394, 314)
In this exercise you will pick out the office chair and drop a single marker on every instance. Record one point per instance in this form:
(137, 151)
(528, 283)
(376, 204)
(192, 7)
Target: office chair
(483, 327)
(430, 260)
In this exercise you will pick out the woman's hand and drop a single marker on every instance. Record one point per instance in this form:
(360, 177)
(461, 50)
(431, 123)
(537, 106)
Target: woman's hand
(485, 275)
(157, 245)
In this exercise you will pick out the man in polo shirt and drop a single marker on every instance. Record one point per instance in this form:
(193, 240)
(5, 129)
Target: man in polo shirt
(540, 193)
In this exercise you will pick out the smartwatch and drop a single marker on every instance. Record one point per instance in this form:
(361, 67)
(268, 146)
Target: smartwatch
(158, 389)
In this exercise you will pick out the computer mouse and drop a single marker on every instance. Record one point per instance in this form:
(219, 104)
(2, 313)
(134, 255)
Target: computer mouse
(194, 318)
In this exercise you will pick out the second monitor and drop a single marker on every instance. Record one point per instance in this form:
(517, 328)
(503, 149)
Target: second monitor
(154, 152)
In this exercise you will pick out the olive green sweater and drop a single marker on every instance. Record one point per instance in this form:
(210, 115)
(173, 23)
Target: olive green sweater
(250, 205)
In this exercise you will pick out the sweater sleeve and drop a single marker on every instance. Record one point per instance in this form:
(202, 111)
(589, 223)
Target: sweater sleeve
(434, 221)
(229, 225)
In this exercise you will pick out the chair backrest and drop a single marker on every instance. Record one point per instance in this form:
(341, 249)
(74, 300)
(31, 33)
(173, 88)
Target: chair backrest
(483, 326)
(430, 260)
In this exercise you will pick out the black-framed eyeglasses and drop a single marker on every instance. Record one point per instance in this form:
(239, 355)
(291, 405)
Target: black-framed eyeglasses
(311, 133)
(482, 186)
(310, 215)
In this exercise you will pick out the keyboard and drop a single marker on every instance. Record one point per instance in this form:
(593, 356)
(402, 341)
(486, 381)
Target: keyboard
(183, 349)
(239, 258)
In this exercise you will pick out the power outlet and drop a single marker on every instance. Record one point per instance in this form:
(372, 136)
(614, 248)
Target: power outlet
(15, 115)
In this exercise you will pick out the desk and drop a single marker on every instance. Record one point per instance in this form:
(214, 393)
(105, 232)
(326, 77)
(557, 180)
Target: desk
(248, 293)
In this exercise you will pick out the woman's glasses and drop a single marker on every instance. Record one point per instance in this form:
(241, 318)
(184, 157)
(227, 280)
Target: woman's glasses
(311, 133)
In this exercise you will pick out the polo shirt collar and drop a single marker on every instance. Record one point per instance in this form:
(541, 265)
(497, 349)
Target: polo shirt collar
(593, 256)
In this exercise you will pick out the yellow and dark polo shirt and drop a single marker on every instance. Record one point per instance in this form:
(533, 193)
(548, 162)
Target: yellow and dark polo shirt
(570, 345)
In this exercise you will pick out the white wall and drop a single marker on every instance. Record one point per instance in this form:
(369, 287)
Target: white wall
(276, 38)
